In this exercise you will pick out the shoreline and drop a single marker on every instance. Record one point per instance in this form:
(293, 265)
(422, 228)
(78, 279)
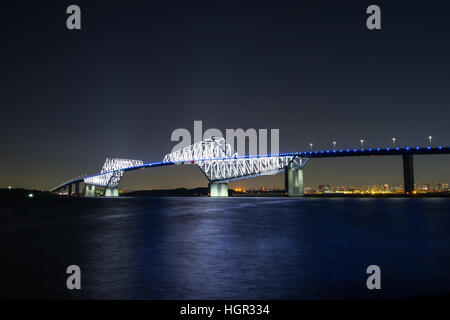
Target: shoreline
(203, 192)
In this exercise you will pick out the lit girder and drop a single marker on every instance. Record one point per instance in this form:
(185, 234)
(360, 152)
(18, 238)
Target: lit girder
(211, 148)
(219, 162)
(224, 170)
(112, 172)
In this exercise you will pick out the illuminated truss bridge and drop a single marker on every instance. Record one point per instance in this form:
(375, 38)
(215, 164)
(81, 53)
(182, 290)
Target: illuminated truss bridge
(221, 164)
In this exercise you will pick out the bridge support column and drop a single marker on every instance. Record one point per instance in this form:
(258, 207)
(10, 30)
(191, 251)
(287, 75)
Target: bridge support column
(218, 189)
(293, 182)
(408, 173)
(77, 189)
(69, 190)
(111, 192)
(89, 190)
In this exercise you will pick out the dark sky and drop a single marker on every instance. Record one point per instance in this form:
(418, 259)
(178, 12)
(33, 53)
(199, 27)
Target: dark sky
(140, 69)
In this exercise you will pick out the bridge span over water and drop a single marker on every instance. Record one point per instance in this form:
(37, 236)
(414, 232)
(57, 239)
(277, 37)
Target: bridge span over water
(221, 164)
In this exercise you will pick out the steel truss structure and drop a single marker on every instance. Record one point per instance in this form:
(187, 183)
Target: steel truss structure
(214, 156)
(211, 148)
(112, 172)
(220, 163)
(225, 170)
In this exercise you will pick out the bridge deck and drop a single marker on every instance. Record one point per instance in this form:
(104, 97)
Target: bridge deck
(371, 152)
(310, 155)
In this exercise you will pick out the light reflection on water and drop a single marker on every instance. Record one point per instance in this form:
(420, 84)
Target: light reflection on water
(233, 248)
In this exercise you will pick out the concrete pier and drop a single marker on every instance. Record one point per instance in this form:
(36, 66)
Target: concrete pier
(111, 192)
(408, 173)
(89, 190)
(293, 182)
(218, 189)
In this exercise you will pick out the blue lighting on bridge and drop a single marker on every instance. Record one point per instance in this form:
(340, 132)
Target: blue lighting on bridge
(409, 151)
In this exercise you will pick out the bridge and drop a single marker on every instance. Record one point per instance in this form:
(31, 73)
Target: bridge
(221, 164)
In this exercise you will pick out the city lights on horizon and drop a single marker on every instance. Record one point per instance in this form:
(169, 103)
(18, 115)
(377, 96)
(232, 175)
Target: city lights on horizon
(367, 189)
(377, 189)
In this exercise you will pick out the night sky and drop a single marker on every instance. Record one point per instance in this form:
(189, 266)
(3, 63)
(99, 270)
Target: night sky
(137, 70)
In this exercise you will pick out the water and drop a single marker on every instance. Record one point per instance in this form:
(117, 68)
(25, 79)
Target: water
(232, 248)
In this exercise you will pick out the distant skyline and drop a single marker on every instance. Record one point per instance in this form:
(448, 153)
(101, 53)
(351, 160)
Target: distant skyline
(136, 71)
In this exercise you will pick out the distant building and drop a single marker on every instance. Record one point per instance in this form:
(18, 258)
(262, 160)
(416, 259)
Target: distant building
(441, 187)
(325, 188)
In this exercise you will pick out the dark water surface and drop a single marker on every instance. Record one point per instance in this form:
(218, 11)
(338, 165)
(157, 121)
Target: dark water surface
(232, 248)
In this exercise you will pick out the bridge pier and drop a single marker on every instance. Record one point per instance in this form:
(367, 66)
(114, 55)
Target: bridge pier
(408, 173)
(77, 189)
(111, 192)
(69, 190)
(89, 190)
(218, 189)
(293, 182)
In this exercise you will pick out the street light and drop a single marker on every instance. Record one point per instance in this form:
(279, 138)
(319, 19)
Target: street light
(362, 143)
(334, 145)
(393, 142)
(311, 145)
(430, 137)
